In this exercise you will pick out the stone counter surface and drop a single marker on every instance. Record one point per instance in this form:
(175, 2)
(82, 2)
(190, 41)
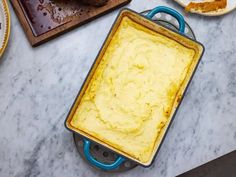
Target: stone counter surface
(39, 85)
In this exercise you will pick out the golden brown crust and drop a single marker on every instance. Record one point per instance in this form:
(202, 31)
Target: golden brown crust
(206, 6)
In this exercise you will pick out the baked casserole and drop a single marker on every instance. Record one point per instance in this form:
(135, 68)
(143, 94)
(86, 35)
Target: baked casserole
(132, 92)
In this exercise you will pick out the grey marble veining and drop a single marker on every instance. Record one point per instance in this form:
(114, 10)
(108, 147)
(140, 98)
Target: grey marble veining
(38, 87)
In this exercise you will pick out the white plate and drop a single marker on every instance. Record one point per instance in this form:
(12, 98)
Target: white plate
(231, 5)
(4, 25)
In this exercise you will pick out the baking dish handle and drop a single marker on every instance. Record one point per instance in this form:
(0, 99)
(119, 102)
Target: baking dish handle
(171, 12)
(98, 164)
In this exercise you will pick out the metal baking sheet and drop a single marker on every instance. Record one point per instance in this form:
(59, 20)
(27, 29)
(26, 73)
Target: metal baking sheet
(224, 166)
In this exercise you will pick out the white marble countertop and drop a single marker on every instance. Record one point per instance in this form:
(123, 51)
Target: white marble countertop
(38, 87)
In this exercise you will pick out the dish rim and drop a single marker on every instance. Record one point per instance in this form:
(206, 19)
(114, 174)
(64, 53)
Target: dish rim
(8, 26)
